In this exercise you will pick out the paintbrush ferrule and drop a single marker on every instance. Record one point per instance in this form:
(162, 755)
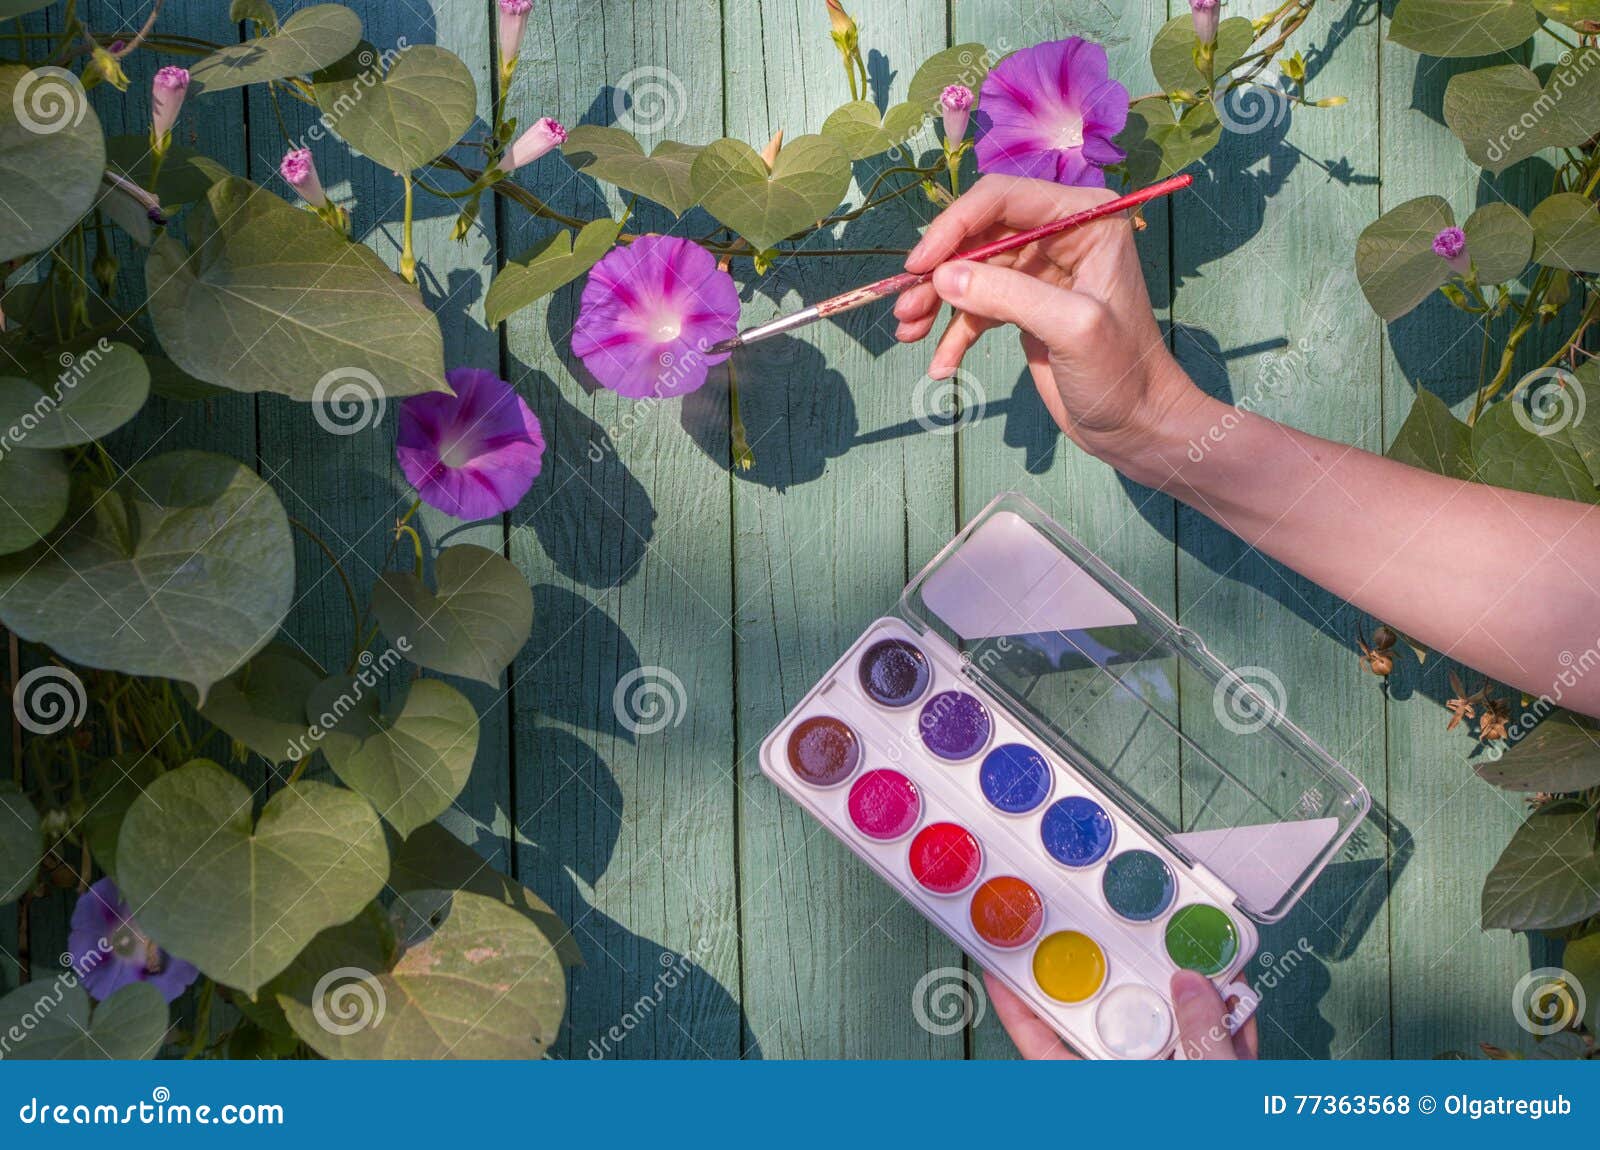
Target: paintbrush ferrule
(767, 330)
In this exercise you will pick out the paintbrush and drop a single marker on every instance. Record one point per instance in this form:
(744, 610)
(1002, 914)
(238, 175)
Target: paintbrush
(894, 285)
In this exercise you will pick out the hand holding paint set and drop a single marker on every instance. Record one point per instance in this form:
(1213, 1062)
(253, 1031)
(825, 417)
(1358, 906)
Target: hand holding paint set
(1066, 782)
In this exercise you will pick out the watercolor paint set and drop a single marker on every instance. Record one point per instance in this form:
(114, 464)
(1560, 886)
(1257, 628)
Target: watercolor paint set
(1065, 782)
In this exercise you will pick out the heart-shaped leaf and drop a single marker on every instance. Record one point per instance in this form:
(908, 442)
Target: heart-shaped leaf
(57, 1023)
(1455, 28)
(237, 897)
(182, 571)
(411, 762)
(808, 181)
(1500, 242)
(117, 782)
(1566, 231)
(474, 979)
(475, 623)
(964, 64)
(263, 705)
(1503, 114)
(271, 290)
(1549, 874)
(1506, 453)
(258, 10)
(1583, 15)
(1160, 145)
(408, 116)
(52, 154)
(612, 155)
(20, 843)
(73, 398)
(1559, 756)
(312, 38)
(34, 491)
(1172, 52)
(546, 266)
(1433, 439)
(1395, 261)
(861, 132)
(11, 8)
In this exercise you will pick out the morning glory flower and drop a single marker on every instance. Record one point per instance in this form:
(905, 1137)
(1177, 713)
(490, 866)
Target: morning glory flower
(546, 135)
(473, 454)
(167, 90)
(955, 102)
(109, 951)
(513, 23)
(299, 168)
(1206, 15)
(1450, 245)
(649, 312)
(1052, 112)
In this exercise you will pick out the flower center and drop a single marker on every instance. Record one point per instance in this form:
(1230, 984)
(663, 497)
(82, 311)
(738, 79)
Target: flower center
(666, 327)
(458, 452)
(1069, 131)
(128, 943)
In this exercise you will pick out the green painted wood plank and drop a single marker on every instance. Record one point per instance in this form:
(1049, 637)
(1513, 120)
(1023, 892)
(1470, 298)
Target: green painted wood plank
(1262, 254)
(629, 834)
(849, 494)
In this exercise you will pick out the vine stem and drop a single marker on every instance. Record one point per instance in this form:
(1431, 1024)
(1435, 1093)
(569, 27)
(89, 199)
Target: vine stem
(408, 255)
(338, 568)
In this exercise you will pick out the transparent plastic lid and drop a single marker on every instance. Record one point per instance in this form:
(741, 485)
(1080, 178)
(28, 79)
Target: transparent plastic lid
(1199, 753)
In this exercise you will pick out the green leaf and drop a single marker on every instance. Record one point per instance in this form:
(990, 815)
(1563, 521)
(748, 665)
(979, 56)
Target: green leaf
(1549, 874)
(1508, 454)
(1172, 52)
(1584, 432)
(1581, 959)
(809, 180)
(1160, 145)
(476, 980)
(1560, 755)
(240, 898)
(55, 1023)
(52, 153)
(186, 175)
(10, 9)
(263, 705)
(170, 381)
(475, 623)
(1454, 28)
(1583, 15)
(182, 571)
(75, 398)
(434, 859)
(311, 39)
(411, 762)
(116, 783)
(272, 297)
(1503, 114)
(35, 489)
(1500, 242)
(861, 132)
(612, 155)
(1434, 440)
(964, 64)
(258, 10)
(1395, 261)
(410, 115)
(21, 845)
(1566, 231)
(548, 265)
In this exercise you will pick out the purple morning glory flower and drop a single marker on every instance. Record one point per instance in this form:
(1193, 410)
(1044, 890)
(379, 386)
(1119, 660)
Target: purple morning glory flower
(1052, 112)
(109, 951)
(648, 313)
(1450, 245)
(473, 454)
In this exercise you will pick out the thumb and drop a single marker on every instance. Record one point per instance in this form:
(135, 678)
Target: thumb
(1056, 317)
(1202, 1018)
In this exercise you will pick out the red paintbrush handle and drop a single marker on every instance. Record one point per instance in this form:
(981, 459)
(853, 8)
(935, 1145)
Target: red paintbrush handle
(898, 283)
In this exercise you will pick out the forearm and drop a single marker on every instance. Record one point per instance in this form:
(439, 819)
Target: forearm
(1500, 580)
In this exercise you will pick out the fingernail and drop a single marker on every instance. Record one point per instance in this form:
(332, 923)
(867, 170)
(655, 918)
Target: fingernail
(916, 253)
(953, 280)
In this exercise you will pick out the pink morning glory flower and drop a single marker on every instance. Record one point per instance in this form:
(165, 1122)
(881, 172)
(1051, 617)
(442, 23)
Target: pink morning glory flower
(955, 102)
(473, 454)
(109, 951)
(1206, 15)
(545, 136)
(513, 23)
(167, 90)
(1450, 245)
(649, 312)
(1051, 112)
(299, 168)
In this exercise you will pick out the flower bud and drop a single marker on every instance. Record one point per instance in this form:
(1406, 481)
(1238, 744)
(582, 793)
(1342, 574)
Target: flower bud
(845, 32)
(545, 135)
(513, 23)
(1450, 245)
(956, 104)
(108, 68)
(167, 91)
(300, 170)
(1206, 16)
(769, 154)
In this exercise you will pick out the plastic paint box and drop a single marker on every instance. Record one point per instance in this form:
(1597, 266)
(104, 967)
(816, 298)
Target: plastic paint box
(1009, 752)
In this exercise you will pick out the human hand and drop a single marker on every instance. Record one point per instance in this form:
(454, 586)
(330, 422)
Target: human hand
(1202, 1029)
(1093, 346)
